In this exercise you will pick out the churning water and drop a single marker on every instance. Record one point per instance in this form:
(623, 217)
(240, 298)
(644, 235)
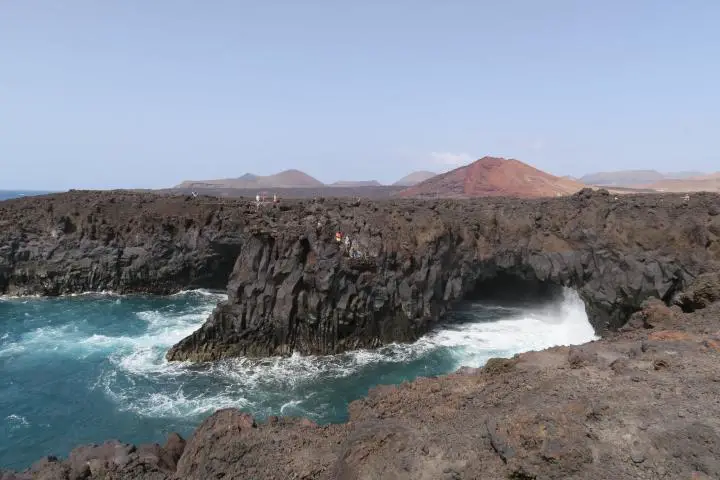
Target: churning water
(87, 368)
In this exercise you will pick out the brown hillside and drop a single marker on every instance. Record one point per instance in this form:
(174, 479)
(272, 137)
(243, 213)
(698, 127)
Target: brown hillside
(703, 183)
(287, 179)
(414, 178)
(492, 177)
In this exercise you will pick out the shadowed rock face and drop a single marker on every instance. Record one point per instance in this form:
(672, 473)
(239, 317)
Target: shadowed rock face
(295, 291)
(293, 288)
(123, 242)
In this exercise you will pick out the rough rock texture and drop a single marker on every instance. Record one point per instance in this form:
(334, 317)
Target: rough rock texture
(296, 291)
(704, 290)
(292, 288)
(639, 404)
(111, 460)
(119, 241)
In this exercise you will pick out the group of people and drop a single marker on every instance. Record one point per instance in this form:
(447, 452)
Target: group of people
(351, 250)
(259, 200)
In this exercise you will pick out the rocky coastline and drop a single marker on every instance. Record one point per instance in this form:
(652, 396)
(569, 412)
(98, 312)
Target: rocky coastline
(292, 288)
(640, 403)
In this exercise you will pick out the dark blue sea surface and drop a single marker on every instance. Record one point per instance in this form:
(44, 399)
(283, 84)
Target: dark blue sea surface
(8, 194)
(88, 368)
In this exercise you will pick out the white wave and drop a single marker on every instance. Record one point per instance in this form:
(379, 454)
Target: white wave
(43, 339)
(241, 382)
(202, 292)
(111, 293)
(11, 349)
(164, 330)
(6, 298)
(100, 293)
(564, 323)
(170, 404)
(288, 405)
(17, 421)
(139, 379)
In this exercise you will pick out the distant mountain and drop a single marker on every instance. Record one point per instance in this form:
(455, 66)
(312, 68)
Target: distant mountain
(492, 176)
(695, 183)
(634, 178)
(414, 178)
(626, 178)
(360, 183)
(287, 179)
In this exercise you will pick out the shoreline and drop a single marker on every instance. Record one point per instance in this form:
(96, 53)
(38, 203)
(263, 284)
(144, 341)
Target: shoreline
(562, 412)
(389, 360)
(291, 288)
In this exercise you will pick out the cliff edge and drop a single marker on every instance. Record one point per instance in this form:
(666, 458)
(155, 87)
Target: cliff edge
(298, 290)
(293, 288)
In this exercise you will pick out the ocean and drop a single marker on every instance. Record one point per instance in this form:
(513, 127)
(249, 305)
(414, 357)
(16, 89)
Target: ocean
(8, 194)
(87, 368)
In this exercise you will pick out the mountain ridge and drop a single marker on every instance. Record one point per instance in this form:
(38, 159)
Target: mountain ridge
(291, 178)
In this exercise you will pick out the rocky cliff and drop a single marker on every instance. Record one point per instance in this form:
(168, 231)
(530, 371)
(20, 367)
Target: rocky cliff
(296, 290)
(120, 241)
(293, 288)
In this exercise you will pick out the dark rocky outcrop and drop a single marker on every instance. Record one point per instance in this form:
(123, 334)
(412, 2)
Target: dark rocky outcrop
(295, 291)
(124, 242)
(111, 460)
(703, 291)
(292, 288)
(640, 404)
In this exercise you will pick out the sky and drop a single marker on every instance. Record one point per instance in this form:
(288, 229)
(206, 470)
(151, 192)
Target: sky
(137, 93)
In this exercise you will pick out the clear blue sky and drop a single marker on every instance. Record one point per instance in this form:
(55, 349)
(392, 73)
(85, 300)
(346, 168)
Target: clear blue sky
(138, 93)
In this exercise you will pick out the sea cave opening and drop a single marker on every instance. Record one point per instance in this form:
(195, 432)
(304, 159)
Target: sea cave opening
(526, 307)
(510, 289)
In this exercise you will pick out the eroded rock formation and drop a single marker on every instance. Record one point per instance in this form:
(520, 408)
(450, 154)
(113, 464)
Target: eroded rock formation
(296, 291)
(293, 288)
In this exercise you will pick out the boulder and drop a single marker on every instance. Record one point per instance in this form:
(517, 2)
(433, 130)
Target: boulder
(702, 292)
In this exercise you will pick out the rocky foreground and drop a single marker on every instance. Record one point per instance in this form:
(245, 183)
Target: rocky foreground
(639, 404)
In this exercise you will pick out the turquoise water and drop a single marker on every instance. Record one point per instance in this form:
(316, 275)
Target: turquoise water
(88, 368)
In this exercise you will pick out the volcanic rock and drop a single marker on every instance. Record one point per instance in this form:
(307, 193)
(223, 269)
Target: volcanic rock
(703, 291)
(292, 288)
